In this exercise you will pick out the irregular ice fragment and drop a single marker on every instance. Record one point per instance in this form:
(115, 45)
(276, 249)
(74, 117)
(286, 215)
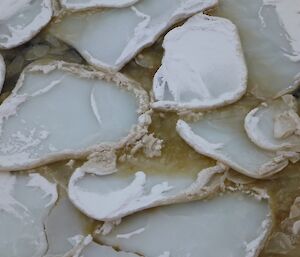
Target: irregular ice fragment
(203, 66)
(220, 135)
(21, 20)
(105, 194)
(59, 110)
(25, 203)
(275, 126)
(195, 229)
(266, 42)
(84, 4)
(2, 72)
(122, 33)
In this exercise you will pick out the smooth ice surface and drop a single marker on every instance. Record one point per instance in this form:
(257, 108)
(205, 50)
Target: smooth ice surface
(260, 126)
(59, 111)
(266, 42)
(113, 196)
(232, 225)
(203, 66)
(63, 223)
(122, 33)
(221, 135)
(2, 72)
(82, 4)
(97, 250)
(25, 202)
(21, 20)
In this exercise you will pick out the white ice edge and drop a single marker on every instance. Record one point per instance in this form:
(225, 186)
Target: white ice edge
(145, 35)
(206, 148)
(18, 36)
(2, 72)
(133, 198)
(266, 139)
(10, 108)
(85, 4)
(205, 26)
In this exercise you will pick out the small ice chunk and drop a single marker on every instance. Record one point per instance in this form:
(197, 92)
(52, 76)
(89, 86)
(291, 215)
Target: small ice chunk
(275, 126)
(104, 195)
(203, 66)
(84, 4)
(295, 209)
(221, 135)
(2, 72)
(59, 110)
(21, 20)
(122, 33)
(269, 31)
(233, 225)
(26, 200)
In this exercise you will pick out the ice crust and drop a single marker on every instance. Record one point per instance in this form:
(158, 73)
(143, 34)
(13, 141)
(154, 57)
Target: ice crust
(107, 194)
(21, 20)
(59, 110)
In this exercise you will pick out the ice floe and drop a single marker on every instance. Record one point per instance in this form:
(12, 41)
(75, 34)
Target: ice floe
(59, 110)
(84, 4)
(221, 135)
(122, 33)
(21, 20)
(203, 66)
(276, 125)
(232, 224)
(26, 200)
(288, 12)
(102, 193)
(267, 42)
